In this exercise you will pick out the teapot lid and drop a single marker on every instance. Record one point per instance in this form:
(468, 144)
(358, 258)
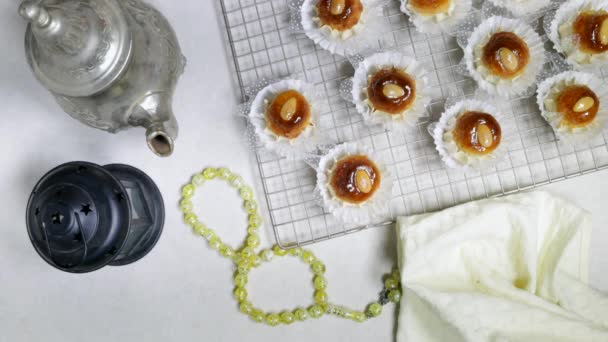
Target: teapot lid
(77, 47)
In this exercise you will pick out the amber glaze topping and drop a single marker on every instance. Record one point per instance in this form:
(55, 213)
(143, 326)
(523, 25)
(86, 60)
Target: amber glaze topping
(591, 30)
(289, 114)
(355, 179)
(506, 54)
(477, 133)
(385, 97)
(578, 104)
(431, 7)
(348, 13)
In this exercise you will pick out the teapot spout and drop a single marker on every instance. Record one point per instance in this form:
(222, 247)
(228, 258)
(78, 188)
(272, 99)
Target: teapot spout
(159, 140)
(155, 114)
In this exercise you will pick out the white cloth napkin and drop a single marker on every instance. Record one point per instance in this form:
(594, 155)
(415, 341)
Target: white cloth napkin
(505, 269)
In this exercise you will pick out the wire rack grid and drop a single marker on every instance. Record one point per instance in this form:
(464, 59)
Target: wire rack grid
(263, 47)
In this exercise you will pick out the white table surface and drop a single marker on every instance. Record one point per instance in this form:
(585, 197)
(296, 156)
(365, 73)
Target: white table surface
(181, 291)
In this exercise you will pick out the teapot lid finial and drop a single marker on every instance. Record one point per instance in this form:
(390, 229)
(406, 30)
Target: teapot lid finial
(33, 12)
(77, 48)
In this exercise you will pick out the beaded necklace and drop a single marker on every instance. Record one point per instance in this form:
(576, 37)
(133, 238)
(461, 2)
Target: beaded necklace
(247, 258)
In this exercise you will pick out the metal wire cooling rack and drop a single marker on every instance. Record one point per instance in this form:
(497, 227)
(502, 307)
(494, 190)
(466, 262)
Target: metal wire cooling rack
(263, 47)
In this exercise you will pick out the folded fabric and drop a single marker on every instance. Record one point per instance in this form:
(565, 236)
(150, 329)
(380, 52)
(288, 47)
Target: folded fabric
(505, 269)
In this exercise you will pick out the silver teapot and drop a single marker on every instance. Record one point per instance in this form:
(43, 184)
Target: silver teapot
(111, 64)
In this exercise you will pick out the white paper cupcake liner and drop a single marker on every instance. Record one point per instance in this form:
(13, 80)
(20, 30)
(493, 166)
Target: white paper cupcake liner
(444, 22)
(546, 90)
(371, 211)
(495, 85)
(449, 151)
(368, 67)
(365, 35)
(560, 33)
(308, 141)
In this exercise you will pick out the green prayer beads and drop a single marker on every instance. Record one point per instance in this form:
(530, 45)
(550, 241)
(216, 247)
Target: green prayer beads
(273, 319)
(246, 308)
(287, 317)
(391, 283)
(320, 282)
(240, 294)
(301, 314)
(374, 310)
(247, 258)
